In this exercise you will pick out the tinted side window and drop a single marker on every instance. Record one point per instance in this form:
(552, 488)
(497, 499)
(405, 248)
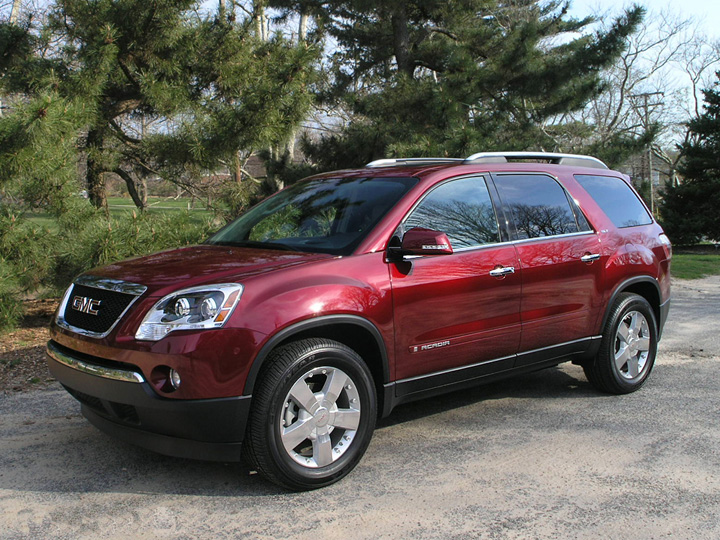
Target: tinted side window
(460, 208)
(538, 204)
(616, 199)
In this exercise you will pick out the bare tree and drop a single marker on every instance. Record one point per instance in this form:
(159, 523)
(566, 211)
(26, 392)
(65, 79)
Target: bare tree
(649, 66)
(698, 62)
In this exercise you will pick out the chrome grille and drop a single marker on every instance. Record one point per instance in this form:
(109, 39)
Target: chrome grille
(109, 300)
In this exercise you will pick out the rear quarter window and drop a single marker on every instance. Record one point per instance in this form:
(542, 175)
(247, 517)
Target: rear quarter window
(616, 199)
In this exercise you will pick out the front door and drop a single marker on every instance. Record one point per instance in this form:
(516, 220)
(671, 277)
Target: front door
(460, 309)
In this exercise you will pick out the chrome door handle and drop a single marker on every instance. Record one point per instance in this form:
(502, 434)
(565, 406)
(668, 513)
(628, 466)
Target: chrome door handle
(590, 257)
(502, 271)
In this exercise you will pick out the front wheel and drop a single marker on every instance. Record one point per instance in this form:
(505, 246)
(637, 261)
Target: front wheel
(313, 414)
(628, 347)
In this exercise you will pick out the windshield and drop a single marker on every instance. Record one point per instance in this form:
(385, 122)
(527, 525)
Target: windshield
(321, 215)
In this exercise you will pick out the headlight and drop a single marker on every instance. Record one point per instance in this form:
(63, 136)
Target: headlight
(197, 308)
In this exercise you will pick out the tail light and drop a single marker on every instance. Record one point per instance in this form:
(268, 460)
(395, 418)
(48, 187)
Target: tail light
(667, 246)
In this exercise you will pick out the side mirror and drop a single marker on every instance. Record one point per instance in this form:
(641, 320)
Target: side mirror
(420, 241)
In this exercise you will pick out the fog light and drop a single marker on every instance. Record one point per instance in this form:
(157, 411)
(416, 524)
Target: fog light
(174, 379)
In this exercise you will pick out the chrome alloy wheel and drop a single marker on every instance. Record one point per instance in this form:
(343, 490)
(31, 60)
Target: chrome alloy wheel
(320, 418)
(632, 345)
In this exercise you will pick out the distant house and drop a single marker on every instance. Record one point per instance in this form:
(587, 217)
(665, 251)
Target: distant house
(663, 168)
(650, 172)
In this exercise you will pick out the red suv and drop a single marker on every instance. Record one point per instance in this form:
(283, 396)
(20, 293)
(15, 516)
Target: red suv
(294, 327)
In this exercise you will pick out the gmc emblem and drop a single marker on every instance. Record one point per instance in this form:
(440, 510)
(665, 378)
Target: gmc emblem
(86, 305)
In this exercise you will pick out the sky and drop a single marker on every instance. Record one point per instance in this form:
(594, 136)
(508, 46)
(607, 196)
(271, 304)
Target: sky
(706, 12)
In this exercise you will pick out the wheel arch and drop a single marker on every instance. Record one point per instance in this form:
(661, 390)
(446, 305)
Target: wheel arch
(644, 286)
(358, 333)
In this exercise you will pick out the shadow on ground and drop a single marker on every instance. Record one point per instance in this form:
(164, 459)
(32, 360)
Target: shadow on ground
(72, 456)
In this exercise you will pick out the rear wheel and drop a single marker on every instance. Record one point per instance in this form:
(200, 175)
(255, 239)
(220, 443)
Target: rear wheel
(312, 416)
(628, 347)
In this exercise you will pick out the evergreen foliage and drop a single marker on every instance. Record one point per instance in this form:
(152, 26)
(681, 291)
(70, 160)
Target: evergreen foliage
(135, 88)
(33, 258)
(87, 243)
(94, 71)
(25, 264)
(452, 78)
(690, 209)
(10, 305)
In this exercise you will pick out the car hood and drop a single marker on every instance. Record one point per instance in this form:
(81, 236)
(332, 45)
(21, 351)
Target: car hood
(168, 271)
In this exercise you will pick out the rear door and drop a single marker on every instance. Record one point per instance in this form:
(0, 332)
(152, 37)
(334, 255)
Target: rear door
(562, 274)
(449, 310)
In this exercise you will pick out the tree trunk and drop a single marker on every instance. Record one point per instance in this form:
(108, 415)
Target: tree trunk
(15, 12)
(302, 28)
(94, 173)
(401, 40)
(261, 21)
(142, 188)
(237, 173)
(135, 188)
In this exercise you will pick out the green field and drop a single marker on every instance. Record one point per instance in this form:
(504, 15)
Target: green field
(121, 205)
(199, 212)
(695, 266)
(157, 203)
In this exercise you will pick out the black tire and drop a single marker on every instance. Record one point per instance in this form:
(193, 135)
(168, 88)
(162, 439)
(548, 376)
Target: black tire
(628, 348)
(338, 423)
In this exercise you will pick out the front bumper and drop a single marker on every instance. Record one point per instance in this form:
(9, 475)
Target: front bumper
(120, 402)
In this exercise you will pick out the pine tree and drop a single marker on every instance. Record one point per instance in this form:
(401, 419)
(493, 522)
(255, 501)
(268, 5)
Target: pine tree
(690, 209)
(97, 69)
(452, 78)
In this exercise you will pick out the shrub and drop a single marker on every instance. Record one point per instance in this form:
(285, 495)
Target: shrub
(100, 241)
(26, 263)
(11, 307)
(33, 258)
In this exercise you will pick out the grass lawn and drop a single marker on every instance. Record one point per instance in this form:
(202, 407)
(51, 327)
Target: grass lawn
(120, 205)
(694, 266)
(156, 203)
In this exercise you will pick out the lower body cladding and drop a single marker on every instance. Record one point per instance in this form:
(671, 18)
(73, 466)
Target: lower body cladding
(121, 403)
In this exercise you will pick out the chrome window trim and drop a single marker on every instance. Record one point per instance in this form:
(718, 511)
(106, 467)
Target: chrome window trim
(524, 240)
(98, 283)
(567, 235)
(499, 244)
(99, 371)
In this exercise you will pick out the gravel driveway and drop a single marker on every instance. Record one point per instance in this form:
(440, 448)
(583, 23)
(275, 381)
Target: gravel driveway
(539, 456)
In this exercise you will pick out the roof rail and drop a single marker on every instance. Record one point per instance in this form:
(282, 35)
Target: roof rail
(412, 161)
(551, 157)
